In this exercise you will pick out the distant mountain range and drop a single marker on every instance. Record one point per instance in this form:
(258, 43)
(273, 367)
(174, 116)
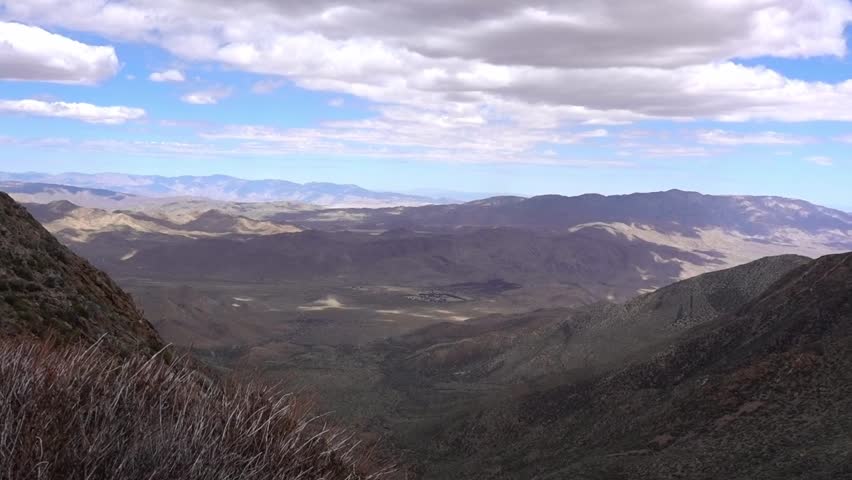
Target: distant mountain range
(223, 187)
(722, 230)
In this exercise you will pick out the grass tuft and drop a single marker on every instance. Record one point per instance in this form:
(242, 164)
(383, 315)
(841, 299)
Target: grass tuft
(75, 413)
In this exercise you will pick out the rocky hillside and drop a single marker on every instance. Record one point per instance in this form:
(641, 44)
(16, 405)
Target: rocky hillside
(759, 393)
(48, 291)
(583, 340)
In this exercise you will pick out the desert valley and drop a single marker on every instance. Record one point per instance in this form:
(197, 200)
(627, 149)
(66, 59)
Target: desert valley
(454, 327)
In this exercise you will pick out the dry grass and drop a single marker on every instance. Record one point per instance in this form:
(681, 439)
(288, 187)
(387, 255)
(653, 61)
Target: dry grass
(75, 413)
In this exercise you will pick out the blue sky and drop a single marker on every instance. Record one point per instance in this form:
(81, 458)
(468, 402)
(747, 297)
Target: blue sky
(732, 97)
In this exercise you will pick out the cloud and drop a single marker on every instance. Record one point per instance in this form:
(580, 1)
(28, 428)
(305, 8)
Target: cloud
(84, 112)
(496, 79)
(820, 160)
(170, 75)
(33, 54)
(267, 86)
(726, 138)
(206, 97)
(674, 151)
(594, 62)
(336, 102)
(410, 133)
(242, 150)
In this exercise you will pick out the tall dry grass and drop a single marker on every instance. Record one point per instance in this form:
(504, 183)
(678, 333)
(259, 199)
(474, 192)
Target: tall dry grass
(75, 413)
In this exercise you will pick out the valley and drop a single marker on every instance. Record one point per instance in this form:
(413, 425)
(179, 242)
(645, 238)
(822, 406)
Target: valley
(426, 240)
(444, 331)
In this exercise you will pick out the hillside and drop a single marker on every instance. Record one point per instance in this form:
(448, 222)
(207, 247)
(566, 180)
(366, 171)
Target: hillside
(583, 340)
(79, 224)
(759, 393)
(85, 395)
(48, 291)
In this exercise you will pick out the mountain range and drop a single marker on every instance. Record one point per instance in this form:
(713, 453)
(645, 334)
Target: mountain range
(218, 187)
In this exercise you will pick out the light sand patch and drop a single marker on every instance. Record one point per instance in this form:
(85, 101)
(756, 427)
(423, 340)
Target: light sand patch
(326, 303)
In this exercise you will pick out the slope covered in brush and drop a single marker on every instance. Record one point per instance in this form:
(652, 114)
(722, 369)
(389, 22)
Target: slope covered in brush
(760, 393)
(48, 291)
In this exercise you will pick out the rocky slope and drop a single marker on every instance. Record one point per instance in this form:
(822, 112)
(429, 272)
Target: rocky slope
(48, 291)
(583, 340)
(759, 393)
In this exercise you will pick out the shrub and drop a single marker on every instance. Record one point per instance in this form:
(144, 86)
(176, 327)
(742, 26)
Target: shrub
(71, 413)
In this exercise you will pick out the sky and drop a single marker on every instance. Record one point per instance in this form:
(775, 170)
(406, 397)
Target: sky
(606, 96)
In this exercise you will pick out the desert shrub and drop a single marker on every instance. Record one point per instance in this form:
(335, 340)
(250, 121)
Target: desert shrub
(23, 271)
(71, 413)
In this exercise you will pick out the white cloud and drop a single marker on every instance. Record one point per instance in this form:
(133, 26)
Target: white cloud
(170, 75)
(498, 79)
(596, 61)
(85, 112)
(206, 97)
(820, 160)
(34, 54)
(336, 102)
(726, 138)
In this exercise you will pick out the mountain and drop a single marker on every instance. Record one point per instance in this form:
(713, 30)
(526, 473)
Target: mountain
(25, 192)
(223, 187)
(48, 291)
(73, 223)
(728, 229)
(585, 339)
(686, 213)
(759, 392)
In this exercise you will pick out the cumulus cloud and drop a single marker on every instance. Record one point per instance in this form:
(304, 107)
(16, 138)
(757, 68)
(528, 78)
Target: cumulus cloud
(34, 54)
(85, 112)
(206, 97)
(170, 75)
(596, 61)
(526, 70)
